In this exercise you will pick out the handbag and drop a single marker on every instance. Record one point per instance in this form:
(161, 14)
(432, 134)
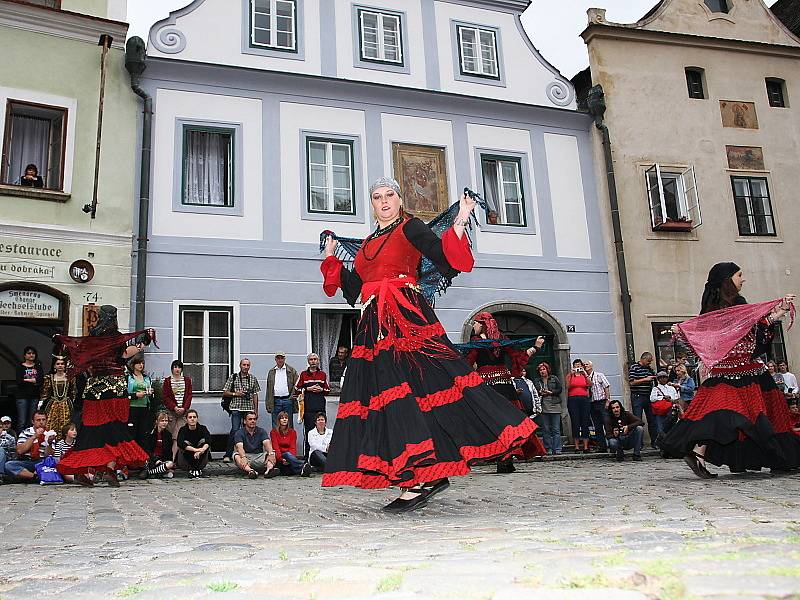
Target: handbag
(226, 400)
(47, 472)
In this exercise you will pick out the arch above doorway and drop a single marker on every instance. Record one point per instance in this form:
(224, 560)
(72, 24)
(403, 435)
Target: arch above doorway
(537, 313)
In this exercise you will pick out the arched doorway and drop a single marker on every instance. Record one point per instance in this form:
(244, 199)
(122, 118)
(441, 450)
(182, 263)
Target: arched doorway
(520, 320)
(30, 315)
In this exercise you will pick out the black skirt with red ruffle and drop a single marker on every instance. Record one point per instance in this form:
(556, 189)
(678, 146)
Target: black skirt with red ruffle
(104, 437)
(745, 424)
(413, 411)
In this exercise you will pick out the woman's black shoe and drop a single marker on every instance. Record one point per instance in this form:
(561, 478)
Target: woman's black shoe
(506, 467)
(431, 489)
(398, 505)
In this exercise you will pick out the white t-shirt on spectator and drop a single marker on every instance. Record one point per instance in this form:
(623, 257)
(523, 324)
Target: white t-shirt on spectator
(791, 381)
(664, 392)
(281, 382)
(319, 441)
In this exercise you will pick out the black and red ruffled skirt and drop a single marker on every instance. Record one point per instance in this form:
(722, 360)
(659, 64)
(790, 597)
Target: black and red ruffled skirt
(104, 437)
(745, 424)
(413, 411)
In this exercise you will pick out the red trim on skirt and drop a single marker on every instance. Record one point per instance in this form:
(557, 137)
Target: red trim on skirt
(101, 412)
(411, 343)
(450, 395)
(124, 454)
(749, 401)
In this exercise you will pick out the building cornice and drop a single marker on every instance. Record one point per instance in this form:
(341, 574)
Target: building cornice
(517, 6)
(55, 233)
(61, 23)
(602, 31)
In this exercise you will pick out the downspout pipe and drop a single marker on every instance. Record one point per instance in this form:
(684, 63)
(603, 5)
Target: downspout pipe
(135, 55)
(597, 108)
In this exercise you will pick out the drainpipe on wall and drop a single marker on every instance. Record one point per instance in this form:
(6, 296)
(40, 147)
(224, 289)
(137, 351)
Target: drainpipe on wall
(135, 54)
(597, 108)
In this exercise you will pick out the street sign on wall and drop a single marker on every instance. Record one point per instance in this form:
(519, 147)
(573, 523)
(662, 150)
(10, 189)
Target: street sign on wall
(29, 304)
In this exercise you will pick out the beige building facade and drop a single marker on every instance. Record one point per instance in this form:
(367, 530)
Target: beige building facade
(703, 112)
(64, 247)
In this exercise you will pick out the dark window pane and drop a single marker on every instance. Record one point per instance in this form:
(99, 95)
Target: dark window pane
(720, 6)
(192, 323)
(694, 82)
(193, 350)
(218, 324)
(775, 93)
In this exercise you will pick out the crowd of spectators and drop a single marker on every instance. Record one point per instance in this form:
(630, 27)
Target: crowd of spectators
(167, 427)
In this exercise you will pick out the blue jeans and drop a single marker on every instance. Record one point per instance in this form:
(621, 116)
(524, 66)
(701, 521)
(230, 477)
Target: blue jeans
(293, 468)
(640, 403)
(3, 457)
(598, 420)
(237, 418)
(14, 467)
(25, 409)
(659, 419)
(551, 432)
(631, 441)
(579, 408)
(282, 405)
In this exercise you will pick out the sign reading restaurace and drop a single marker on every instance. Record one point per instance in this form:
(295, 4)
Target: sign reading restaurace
(28, 304)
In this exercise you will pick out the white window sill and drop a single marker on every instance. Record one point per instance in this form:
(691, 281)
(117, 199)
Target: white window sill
(33, 193)
(759, 239)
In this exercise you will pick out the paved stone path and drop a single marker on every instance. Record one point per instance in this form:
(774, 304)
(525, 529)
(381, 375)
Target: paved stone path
(569, 529)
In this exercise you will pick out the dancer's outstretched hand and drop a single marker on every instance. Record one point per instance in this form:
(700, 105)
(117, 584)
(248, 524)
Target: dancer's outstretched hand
(330, 246)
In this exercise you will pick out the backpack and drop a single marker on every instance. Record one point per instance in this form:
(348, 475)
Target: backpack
(226, 400)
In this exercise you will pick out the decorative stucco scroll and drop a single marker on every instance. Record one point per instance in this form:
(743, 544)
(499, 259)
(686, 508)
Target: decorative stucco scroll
(169, 40)
(559, 93)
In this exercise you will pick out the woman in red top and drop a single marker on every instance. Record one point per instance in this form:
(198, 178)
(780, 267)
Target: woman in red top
(579, 405)
(412, 412)
(284, 442)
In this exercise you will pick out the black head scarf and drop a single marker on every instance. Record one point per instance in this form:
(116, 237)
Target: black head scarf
(716, 277)
(106, 321)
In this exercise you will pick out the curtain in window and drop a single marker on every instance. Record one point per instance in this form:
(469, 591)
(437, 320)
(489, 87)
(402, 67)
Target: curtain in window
(491, 186)
(30, 140)
(325, 329)
(206, 166)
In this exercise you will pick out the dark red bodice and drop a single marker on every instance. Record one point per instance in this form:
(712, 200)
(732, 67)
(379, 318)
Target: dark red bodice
(391, 255)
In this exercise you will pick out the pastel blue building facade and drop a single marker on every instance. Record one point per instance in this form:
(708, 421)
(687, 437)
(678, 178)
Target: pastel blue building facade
(271, 117)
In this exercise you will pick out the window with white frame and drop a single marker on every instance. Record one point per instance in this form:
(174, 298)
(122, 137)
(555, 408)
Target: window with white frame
(753, 206)
(381, 36)
(273, 24)
(672, 195)
(35, 136)
(331, 179)
(502, 185)
(478, 51)
(208, 166)
(205, 345)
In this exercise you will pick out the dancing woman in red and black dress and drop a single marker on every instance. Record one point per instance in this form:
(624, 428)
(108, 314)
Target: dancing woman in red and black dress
(412, 413)
(490, 363)
(738, 417)
(104, 442)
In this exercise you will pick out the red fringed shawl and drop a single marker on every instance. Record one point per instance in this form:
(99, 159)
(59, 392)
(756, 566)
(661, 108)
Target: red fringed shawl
(713, 335)
(90, 352)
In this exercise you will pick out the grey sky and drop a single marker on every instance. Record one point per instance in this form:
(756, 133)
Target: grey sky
(553, 25)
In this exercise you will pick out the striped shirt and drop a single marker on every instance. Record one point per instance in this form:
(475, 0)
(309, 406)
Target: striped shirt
(178, 390)
(62, 447)
(34, 453)
(640, 371)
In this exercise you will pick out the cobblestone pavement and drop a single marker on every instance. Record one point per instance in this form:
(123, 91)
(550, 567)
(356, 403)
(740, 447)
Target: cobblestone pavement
(569, 529)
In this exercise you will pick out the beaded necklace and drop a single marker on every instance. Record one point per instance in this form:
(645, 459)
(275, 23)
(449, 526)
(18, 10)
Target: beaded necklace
(60, 395)
(378, 233)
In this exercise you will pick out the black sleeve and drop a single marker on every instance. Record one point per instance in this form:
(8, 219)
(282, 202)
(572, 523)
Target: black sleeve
(764, 336)
(555, 385)
(351, 285)
(20, 374)
(166, 445)
(423, 239)
(182, 437)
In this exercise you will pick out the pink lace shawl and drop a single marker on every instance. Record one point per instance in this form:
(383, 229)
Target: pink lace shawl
(713, 335)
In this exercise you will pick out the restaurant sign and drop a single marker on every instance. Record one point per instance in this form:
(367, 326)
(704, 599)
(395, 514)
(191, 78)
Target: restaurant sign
(29, 304)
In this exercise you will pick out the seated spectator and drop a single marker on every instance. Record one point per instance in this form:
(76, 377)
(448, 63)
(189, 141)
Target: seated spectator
(624, 431)
(67, 437)
(8, 444)
(685, 385)
(662, 397)
(319, 439)
(32, 446)
(789, 380)
(253, 450)
(31, 177)
(158, 445)
(194, 443)
(778, 377)
(284, 440)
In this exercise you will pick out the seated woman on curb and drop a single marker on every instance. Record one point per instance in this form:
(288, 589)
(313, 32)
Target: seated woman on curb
(158, 444)
(319, 439)
(194, 442)
(284, 441)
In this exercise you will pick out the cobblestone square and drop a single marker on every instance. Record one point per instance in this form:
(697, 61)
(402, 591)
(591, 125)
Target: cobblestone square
(566, 529)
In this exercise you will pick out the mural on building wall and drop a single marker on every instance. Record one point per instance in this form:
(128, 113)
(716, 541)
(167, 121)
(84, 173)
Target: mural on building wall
(745, 158)
(738, 114)
(422, 174)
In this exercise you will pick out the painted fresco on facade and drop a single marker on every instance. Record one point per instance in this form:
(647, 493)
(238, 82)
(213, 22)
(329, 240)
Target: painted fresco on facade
(745, 158)
(741, 115)
(422, 174)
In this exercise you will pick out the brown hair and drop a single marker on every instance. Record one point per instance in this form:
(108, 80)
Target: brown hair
(546, 365)
(279, 427)
(65, 429)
